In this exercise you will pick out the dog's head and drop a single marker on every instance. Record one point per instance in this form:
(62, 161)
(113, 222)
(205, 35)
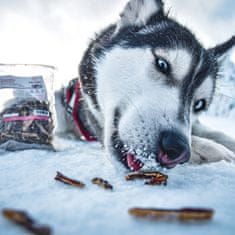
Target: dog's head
(147, 80)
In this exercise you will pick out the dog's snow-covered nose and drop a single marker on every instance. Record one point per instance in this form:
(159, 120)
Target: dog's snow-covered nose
(174, 149)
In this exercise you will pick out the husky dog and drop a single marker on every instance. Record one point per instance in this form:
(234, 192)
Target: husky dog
(143, 83)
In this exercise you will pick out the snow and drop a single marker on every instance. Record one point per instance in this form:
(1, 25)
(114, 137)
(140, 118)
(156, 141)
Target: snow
(27, 182)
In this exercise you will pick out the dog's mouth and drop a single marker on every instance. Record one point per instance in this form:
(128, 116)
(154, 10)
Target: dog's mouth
(167, 162)
(133, 163)
(136, 162)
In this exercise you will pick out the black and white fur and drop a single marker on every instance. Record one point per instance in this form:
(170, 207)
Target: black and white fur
(130, 100)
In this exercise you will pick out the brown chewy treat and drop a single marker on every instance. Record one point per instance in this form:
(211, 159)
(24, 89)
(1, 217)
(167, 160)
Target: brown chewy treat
(155, 178)
(64, 179)
(157, 181)
(102, 183)
(21, 218)
(186, 214)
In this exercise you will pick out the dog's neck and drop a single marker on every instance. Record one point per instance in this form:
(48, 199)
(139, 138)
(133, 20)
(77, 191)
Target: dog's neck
(76, 107)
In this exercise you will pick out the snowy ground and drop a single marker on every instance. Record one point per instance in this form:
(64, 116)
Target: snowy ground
(26, 182)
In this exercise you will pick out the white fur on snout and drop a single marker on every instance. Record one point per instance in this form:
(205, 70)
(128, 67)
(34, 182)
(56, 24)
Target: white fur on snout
(128, 80)
(149, 114)
(143, 121)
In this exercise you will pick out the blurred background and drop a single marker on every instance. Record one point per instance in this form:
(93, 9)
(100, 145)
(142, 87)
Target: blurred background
(56, 32)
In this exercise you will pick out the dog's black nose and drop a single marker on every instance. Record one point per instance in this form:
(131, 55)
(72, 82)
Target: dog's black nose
(173, 144)
(174, 149)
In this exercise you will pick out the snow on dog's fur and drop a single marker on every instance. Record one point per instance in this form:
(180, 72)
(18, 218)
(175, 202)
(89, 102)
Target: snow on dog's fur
(145, 80)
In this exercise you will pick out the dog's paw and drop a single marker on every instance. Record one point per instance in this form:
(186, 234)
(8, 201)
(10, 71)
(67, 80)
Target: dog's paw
(206, 151)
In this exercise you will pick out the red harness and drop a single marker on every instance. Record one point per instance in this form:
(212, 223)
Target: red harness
(72, 102)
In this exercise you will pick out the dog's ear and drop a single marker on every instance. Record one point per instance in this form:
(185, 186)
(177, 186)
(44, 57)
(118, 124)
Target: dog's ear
(140, 12)
(220, 52)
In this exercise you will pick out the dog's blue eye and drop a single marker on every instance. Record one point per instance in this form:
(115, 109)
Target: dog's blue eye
(199, 105)
(162, 65)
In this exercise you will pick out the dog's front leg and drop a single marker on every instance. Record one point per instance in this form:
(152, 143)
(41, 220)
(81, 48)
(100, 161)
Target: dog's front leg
(206, 151)
(202, 131)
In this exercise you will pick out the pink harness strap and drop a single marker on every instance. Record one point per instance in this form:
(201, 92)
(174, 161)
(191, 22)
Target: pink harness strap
(85, 133)
(24, 118)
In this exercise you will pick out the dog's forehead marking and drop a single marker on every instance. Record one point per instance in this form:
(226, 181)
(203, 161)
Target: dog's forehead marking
(179, 59)
(153, 28)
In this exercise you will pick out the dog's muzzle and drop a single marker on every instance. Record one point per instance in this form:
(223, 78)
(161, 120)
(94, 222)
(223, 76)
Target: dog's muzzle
(174, 150)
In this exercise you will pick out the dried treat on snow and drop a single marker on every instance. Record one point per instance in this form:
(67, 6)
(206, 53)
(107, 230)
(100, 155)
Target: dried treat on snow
(102, 183)
(185, 214)
(64, 179)
(23, 219)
